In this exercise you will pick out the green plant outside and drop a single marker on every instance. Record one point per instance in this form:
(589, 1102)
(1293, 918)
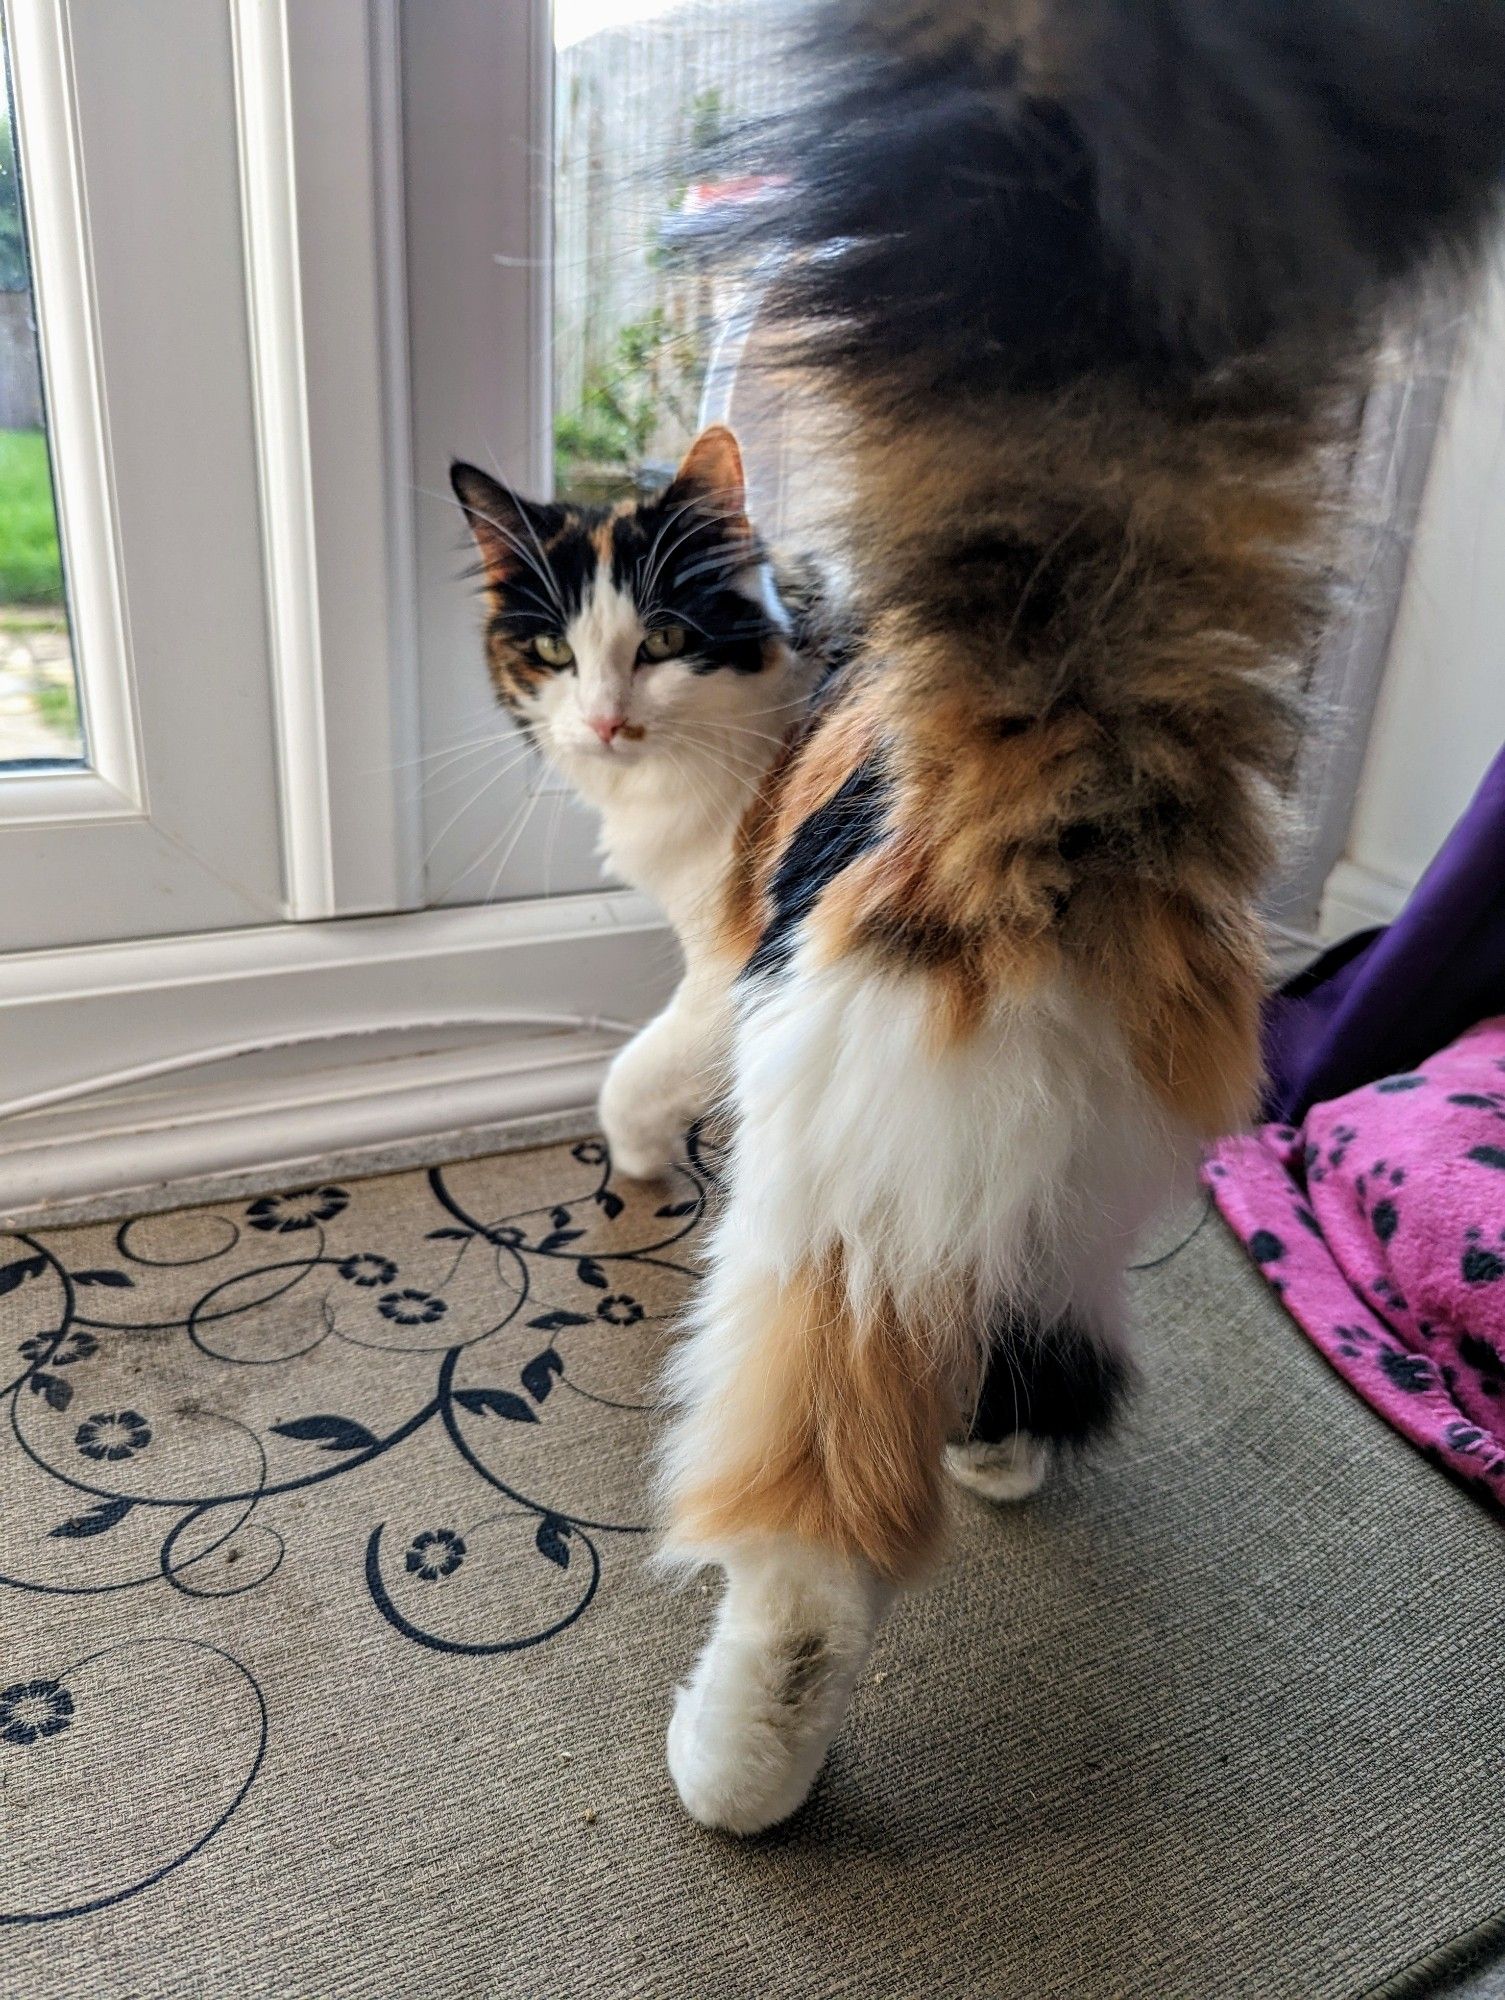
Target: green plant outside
(56, 708)
(605, 438)
(31, 569)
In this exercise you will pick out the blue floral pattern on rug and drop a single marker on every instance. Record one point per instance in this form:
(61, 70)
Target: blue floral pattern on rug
(487, 1313)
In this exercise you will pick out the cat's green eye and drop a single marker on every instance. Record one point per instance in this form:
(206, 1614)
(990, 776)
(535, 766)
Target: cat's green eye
(667, 642)
(554, 650)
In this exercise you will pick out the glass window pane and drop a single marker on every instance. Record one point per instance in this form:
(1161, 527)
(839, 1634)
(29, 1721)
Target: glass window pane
(647, 341)
(40, 719)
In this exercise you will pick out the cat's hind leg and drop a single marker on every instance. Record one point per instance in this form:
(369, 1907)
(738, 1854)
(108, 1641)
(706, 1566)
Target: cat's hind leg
(886, 1183)
(806, 1463)
(1047, 1386)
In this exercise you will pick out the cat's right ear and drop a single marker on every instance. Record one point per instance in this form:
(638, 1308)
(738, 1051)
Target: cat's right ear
(497, 518)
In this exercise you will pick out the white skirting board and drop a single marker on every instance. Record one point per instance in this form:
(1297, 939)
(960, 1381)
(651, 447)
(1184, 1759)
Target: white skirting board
(120, 1201)
(1359, 898)
(134, 1076)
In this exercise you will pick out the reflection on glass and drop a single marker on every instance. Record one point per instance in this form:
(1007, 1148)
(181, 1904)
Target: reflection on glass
(39, 707)
(645, 92)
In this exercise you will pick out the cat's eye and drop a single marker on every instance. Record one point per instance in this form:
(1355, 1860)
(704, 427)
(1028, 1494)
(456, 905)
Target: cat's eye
(554, 650)
(666, 642)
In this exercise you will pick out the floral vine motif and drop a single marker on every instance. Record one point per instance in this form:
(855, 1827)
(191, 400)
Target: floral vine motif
(113, 1435)
(435, 1554)
(30, 1711)
(620, 1311)
(284, 1213)
(522, 1247)
(77, 1347)
(367, 1271)
(411, 1308)
(75, 1325)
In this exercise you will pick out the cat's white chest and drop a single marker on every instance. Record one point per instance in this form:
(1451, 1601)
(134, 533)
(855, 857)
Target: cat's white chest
(672, 839)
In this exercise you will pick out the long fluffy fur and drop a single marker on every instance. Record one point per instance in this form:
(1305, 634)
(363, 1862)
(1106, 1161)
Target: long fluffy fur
(1090, 279)
(1020, 192)
(1087, 282)
(893, 1198)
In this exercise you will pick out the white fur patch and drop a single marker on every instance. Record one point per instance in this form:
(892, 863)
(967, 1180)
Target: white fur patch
(752, 1725)
(1018, 1166)
(1021, 1161)
(605, 634)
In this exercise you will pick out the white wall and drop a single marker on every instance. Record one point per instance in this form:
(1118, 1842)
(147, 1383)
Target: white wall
(1441, 717)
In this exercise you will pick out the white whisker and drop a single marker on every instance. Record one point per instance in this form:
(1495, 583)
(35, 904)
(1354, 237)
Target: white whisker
(493, 778)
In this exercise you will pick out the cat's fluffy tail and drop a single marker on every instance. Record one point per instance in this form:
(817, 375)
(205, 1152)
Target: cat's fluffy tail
(1010, 194)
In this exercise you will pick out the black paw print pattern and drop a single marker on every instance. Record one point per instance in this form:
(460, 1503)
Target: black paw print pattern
(1381, 1227)
(1377, 1191)
(1483, 1263)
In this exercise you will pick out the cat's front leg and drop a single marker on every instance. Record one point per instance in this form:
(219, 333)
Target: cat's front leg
(666, 1078)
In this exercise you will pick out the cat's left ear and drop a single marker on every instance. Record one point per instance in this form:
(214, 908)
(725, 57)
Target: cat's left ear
(712, 474)
(502, 523)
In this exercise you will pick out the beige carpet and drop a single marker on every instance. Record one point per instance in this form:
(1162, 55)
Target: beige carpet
(330, 1663)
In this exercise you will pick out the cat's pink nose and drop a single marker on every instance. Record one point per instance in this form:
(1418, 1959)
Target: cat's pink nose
(607, 727)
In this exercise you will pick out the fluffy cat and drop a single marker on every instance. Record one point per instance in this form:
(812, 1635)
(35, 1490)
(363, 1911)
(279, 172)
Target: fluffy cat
(1085, 281)
(653, 655)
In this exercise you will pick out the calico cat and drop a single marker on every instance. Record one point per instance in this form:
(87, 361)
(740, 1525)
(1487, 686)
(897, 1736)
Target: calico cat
(1089, 285)
(657, 659)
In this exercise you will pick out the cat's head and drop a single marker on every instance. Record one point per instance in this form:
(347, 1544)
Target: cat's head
(617, 632)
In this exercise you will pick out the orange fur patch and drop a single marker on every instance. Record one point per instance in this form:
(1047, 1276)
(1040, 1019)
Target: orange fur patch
(837, 1425)
(1082, 617)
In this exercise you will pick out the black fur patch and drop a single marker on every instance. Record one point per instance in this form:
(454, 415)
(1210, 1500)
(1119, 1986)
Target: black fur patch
(675, 558)
(1202, 183)
(1059, 1383)
(830, 840)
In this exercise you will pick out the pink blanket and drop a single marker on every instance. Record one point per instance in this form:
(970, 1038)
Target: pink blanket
(1381, 1224)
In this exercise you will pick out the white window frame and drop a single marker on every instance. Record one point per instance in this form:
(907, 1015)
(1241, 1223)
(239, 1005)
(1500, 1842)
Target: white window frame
(352, 1022)
(321, 161)
(62, 283)
(140, 306)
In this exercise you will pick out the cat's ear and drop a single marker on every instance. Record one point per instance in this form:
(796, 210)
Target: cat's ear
(712, 474)
(501, 522)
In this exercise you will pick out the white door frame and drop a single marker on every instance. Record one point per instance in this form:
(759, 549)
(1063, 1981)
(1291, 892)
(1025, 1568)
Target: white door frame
(478, 98)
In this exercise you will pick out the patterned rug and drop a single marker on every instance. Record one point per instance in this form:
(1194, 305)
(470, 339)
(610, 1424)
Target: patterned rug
(331, 1664)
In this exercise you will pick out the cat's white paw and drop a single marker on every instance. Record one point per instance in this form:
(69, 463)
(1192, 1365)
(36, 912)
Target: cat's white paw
(642, 1147)
(743, 1748)
(643, 1134)
(638, 1161)
(752, 1726)
(1002, 1473)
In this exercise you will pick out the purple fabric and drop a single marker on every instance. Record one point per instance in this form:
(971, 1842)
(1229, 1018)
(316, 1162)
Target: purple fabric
(1382, 1003)
(1381, 1226)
